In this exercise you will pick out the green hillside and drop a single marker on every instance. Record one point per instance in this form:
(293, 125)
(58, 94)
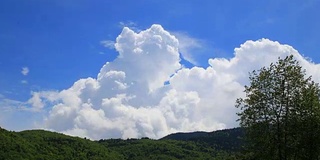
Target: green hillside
(40, 144)
(140, 149)
(230, 140)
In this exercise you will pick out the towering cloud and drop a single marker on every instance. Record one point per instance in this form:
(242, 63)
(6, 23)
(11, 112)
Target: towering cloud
(145, 91)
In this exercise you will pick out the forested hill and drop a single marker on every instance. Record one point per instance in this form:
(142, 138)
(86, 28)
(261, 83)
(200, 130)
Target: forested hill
(227, 140)
(40, 144)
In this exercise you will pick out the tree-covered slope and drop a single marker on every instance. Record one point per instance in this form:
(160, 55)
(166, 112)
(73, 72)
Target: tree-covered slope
(40, 144)
(140, 149)
(13, 146)
(230, 140)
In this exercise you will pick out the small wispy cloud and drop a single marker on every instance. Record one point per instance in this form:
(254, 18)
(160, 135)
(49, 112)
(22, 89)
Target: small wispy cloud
(25, 71)
(130, 24)
(7, 104)
(24, 82)
(188, 46)
(108, 43)
(127, 24)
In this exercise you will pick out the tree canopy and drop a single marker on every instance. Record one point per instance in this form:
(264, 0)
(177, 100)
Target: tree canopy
(281, 112)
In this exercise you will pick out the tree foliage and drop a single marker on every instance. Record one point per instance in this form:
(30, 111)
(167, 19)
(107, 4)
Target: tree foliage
(281, 112)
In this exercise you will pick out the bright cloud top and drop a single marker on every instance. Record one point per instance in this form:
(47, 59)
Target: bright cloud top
(25, 71)
(130, 97)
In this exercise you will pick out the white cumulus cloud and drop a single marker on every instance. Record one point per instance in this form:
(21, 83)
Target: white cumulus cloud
(129, 96)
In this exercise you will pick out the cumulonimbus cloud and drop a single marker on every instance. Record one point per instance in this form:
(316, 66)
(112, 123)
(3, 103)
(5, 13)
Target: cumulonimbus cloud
(145, 91)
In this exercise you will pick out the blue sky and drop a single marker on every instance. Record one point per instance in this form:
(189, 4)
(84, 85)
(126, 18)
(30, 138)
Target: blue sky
(59, 42)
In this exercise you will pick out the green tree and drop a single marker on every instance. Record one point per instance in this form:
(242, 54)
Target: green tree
(281, 112)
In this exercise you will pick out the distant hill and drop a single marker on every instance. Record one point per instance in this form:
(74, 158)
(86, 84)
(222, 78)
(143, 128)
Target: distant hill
(40, 144)
(226, 140)
(183, 136)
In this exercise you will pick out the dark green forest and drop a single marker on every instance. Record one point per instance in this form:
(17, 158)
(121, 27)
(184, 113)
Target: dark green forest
(40, 144)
